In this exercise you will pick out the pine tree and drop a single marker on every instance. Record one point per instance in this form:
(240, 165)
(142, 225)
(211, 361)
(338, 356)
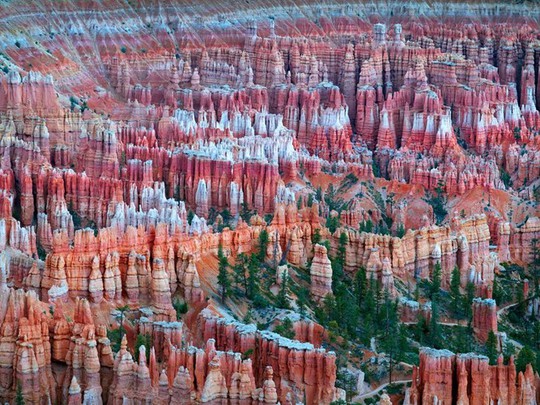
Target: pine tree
(282, 301)
(370, 304)
(536, 333)
(223, 279)
(316, 237)
(332, 223)
(142, 340)
(366, 226)
(400, 231)
(435, 282)
(342, 248)
(421, 328)
(253, 277)
(534, 267)
(403, 344)
(245, 212)
(525, 356)
(190, 216)
(491, 348)
(285, 328)
(263, 245)
(470, 293)
(508, 351)
(521, 307)
(462, 340)
(329, 308)
(347, 312)
(360, 285)
(301, 301)
(417, 293)
(339, 261)
(434, 327)
(240, 276)
(498, 293)
(19, 398)
(122, 309)
(455, 294)
(391, 332)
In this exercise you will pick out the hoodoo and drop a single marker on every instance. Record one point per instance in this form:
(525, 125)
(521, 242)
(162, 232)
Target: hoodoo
(286, 202)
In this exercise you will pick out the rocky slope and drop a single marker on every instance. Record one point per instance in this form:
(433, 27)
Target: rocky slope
(141, 142)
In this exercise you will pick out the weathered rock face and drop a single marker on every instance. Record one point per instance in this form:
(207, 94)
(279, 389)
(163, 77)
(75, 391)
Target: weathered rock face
(309, 371)
(464, 243)
(208, 374)
(131, 140)
(444, 377)
(484, 318)
(32, 337)
(410, 311)
(321, 274)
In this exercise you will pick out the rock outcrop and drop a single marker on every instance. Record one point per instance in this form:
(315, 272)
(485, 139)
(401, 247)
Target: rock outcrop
(321, 274)
(137, 142)
(484, 318)
(444, 377)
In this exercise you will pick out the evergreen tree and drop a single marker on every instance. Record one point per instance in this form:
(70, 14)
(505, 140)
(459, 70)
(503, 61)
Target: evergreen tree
(455, 294)
(226, 215)
(470, 292)
(329, 308)
(263, 245)
(302, 301)
(508, 351)
(390, 341)
(245, 212)
(316, 237)
(491, 348)
(282, 301)
(534, 267)
(417, 293)
(19, 398)
(360, 285)
(318, 194)
(498, 293)
(525, 356)
(240, 276)
(403, 344)
(421, 328)
(463, 344)
(190, 216)
(434, 327)
(370, 304)
(400, 231)
(435, 282)
(338, 262)
(521, 307)
(223, 279)
(342, 248)
(330, 198)
(122, 309)
(366, 226)
(332, 223)
(142, 340)
(285, 328)
(253, 277)
(438, 203)
(536, 333)
(346, 311)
